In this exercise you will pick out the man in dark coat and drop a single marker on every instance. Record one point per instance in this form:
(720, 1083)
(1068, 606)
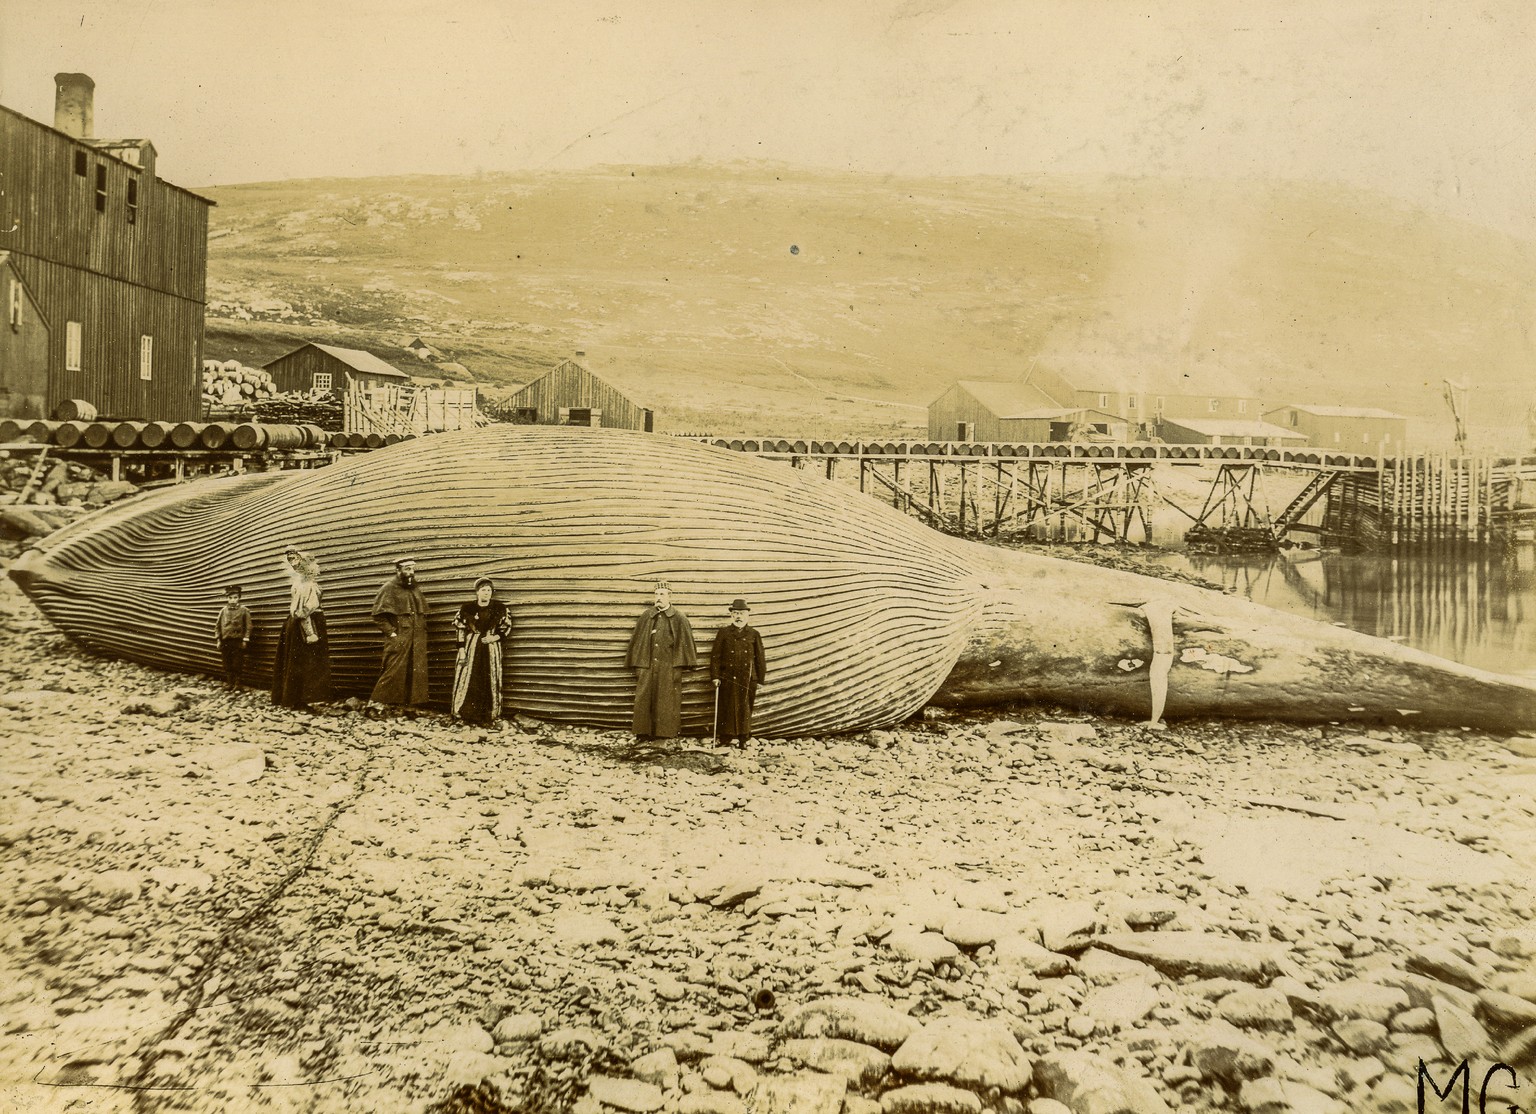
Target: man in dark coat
(737, 664)
(400, 610)
(659, 650)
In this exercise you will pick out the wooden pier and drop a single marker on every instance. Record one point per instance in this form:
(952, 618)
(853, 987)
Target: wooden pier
(1071, 492)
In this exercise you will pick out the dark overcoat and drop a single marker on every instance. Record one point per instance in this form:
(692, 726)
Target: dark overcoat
(659, 650)
(401, 614)
(736, 660)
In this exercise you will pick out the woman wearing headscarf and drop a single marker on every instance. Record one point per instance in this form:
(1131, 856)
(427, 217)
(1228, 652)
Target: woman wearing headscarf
(301, 674)
(483, 626)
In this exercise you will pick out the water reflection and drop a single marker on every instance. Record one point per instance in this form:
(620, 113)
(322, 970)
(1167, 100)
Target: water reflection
(1473, 607)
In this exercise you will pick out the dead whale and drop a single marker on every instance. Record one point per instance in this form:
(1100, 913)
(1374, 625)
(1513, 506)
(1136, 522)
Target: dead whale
(867, 615)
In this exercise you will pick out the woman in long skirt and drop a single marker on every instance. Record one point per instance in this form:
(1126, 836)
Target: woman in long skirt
(483, 625)
(302, 673)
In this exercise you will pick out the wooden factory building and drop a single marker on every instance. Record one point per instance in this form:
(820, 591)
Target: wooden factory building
(1227, 431)
(981, 410)
(1350, 429)
(327, 369)
(569, 394)
(1142, 399)
(112, 258)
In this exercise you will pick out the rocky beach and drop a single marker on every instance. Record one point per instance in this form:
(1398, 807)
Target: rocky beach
(215, 905)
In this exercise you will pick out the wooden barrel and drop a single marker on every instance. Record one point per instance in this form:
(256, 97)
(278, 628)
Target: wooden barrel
(127, 434)
(315, 437)
(750, 446)
(69, 434)
(216, 435)
(393, 438)
(375, 440)
(340, 439)
(40, 431)
(155, 434)
(285, 436)
(356, 440)
(187, 435)
(75, 410)
(247, 435)
(10, 430)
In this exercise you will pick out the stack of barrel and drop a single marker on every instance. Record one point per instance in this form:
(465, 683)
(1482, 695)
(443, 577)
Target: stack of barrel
(88, 433)
(367, 440)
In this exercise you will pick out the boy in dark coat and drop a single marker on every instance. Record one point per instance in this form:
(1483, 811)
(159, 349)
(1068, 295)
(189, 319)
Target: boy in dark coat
(737, 664)
(659, 650)
(233, 631)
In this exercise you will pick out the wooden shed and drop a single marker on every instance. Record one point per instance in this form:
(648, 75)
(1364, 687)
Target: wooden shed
(23, 348)
(983, 410)
(328, 369)
(569, 394)
(114, 258)
(1216, 431)
(1352, 429)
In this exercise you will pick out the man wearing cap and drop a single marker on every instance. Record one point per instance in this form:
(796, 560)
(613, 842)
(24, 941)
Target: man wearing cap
(401, 612)
(737, 664)
(659, 650)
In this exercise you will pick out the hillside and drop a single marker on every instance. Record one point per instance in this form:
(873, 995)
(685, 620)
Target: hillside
(756, 299)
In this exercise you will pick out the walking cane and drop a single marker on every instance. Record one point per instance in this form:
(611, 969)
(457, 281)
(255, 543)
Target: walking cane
(715, 737)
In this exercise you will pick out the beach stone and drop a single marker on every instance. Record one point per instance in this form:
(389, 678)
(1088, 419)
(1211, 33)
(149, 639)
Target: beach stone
(1407, 1049)
(1122, 1004)
(1522, 984)
(1062, 925)
(1397, 1094)
(1049, 1106)
(968, 1052)
(1517, 943)
(862, 1064)
(571, 1043)
(518, 1027)
(929, 1098)
(1285, 1096)
(1360, 1035)
(1065, 734)
(659, 1067)
(927, 947)
(752, 1048)
(625, 1094)
(1194, 953)
(582, 930)
(1523, 745)
(711, 1102)
(853, 1019)
(460, 1038)
(1101, 968)
(974, 928)
(799, 1094)
(468, 1067)
(115, 887)
(1256, 1008)
(1223, 1051)
(1022, 952)
(1460, 1033)
(669, 989)
(1355, 1074)
(1368, 1000)
(1089, 1084)
(1439, 962)
(1417, 1020)
(727, 1071)
(1507, 1009)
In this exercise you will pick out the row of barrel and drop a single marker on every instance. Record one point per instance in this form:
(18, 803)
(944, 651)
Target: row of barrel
(187, 436)
(1039, 450)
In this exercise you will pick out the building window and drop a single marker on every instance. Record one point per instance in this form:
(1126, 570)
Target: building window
(72, 346)
(15, 303)
(322, 381)
(1365, 438)
(1161, 401)
(964, 431)
(133, 200)
(146, 357)
(101, 188)
(1242, 406)
(1103, 401)
(1130, 402)
(1335, 437)
(80, 163)
(1294, 419)
(1214, 405)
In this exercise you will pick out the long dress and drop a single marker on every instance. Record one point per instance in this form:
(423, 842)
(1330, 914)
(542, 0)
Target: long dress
(659, 650)
(736, 660)
(301, 674)
(483, 631)
(401, 613)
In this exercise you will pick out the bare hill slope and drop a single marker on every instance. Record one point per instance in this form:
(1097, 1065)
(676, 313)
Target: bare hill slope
(757, 299)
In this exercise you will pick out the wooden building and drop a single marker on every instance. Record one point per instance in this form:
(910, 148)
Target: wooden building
(1350, 429)
(114, 259)
(1226, 431)
(327, 369)
(982, 410)
(23, 348)
(1144, 398)
(569, 394)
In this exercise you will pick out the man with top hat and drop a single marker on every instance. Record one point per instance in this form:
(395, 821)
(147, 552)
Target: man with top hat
(400, 610)
(737, 665)
(659, 650)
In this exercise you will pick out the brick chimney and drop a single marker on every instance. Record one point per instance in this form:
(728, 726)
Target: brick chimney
(74, 105)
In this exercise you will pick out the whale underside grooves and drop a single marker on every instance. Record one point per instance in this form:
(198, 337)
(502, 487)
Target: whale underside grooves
(866, 614)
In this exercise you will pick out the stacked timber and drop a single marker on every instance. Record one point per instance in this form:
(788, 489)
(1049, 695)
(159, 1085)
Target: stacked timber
(300, 409)
(231, 384)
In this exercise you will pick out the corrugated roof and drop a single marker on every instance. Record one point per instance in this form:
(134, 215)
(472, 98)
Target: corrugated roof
(1011, 400)
(1338, 411)
(1218, 427)
(359, 360)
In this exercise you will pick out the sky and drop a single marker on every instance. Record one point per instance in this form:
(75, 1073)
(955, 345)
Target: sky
(1430, 101)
